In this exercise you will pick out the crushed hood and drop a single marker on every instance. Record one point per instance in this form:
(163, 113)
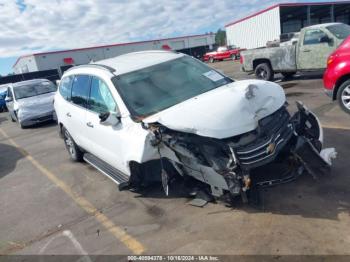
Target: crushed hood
(224, 112)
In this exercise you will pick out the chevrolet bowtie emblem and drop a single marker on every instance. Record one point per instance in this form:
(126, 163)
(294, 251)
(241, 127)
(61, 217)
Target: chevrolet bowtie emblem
(270, 148)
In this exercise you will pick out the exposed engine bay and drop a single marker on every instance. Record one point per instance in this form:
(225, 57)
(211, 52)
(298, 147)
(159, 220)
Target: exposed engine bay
(280, 149)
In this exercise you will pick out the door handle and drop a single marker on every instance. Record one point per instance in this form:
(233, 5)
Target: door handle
(89, 124)
(306, 51)
(68, 114)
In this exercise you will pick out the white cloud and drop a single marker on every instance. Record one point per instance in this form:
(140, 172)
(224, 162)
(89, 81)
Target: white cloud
(60, 24)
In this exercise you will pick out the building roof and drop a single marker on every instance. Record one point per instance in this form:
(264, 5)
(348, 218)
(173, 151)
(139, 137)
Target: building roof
(284, 4)
(106, 46)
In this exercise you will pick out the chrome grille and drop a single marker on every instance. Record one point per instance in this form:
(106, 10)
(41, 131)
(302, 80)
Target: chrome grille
(275, 132)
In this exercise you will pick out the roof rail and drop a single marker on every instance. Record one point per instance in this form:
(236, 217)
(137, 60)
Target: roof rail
(110, 69)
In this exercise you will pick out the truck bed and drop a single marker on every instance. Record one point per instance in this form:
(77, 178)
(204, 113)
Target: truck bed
(282, 59)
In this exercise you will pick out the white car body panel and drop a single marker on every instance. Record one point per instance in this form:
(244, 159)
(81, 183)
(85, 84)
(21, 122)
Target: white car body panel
(225, 111)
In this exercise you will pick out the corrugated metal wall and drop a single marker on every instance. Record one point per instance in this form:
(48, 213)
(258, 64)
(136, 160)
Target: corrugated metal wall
(255, 31)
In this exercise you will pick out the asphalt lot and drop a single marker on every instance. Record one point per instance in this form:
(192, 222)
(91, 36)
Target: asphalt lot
(50, 205)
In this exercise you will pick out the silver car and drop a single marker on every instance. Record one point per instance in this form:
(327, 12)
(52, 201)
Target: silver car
(31, 102)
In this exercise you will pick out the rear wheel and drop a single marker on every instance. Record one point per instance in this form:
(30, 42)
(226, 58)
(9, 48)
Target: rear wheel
(74, 151)
(343, 96)
(264, 71)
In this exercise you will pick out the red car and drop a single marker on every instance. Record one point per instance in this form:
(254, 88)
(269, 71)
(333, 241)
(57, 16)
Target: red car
(222, 53)
(336, 78)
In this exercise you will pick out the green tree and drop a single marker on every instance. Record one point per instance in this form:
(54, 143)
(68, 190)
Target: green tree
(220, 37)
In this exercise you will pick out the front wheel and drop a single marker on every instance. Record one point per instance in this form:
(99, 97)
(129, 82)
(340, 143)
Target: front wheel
(233, 57)
(343, 96)
(74, 151)
(264, 72)
(211, 59)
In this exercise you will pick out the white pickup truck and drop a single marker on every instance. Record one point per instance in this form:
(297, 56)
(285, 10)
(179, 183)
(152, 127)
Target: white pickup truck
(308, 53)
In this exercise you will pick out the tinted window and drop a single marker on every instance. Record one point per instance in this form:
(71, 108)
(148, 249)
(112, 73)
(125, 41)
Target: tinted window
(36, 89)
(80, 90)
(101, 99)
(66, 87)
(313, 36)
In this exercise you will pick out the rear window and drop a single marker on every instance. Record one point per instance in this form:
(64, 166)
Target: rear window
(66, 87)
(80, 90)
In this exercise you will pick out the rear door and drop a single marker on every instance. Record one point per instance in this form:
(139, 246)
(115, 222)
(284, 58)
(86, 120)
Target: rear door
(313, 53)
(105, 141)
(76, 109)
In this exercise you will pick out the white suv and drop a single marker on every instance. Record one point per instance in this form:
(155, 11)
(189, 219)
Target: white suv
(155, 115)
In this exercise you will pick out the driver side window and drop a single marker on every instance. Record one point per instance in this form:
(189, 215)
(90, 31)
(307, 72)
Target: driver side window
(313, 36)
(101, 99)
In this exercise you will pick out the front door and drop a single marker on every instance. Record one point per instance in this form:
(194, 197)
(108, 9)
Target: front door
(105, 141)
(313, 50)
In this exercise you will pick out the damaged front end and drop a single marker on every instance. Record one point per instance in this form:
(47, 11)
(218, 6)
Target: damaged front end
(280, 149)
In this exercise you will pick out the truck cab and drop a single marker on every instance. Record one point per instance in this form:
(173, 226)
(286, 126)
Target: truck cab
(317, 43)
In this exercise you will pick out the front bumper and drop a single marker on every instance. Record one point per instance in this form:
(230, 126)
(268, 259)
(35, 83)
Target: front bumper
(290, 142)
(32, 120)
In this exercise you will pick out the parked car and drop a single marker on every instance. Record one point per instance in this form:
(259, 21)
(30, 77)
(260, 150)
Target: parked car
(31, 102)
(336, 78)
(222, 53)
(155, 115)
(309, 53)
(3, 92)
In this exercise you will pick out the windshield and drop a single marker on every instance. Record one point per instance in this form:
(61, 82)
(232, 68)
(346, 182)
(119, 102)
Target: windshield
(158, 87)
(36, 89)
(340, 31)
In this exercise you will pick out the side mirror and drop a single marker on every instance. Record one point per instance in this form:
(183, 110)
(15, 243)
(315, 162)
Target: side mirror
(325, 39)
(8, 99)
(109, 118)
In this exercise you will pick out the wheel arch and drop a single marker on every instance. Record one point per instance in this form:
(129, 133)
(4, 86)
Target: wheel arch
(337, 85)
(259, 61)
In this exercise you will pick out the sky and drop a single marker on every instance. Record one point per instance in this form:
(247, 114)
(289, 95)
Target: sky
(30, 26)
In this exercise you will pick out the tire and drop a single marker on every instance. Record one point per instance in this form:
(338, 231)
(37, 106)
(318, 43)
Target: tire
(73, 150)
(233, 57)
(264, 71)
(343, 96)
(288, 74)
(211, 59)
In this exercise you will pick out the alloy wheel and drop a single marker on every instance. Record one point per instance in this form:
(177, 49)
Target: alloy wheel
(345, 97)
(69, 143)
